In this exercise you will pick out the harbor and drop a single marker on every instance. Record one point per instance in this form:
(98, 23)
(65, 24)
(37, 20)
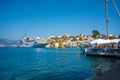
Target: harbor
(59, 40)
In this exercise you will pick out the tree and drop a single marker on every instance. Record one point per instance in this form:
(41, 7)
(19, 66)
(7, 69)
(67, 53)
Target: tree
(102, 36)
(95, 33)
(112, 37)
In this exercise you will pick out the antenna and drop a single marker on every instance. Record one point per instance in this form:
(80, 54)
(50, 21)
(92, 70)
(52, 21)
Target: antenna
(116, 7)
(107, 19)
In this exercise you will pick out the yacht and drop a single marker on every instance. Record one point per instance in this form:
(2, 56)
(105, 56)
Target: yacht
(35, 43)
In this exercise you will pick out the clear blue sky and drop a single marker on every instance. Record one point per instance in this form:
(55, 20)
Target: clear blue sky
(55, 17)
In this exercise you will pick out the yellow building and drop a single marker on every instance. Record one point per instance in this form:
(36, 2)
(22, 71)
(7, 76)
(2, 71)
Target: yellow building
(56, 44)
(63, 44)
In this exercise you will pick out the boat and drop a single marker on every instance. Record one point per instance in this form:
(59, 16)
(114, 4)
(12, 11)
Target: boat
(104, 48)
(34, 43)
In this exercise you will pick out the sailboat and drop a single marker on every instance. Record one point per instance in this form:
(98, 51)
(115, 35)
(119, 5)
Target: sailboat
(106, 50)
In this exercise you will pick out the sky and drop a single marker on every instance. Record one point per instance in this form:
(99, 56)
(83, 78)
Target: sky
(44, 18)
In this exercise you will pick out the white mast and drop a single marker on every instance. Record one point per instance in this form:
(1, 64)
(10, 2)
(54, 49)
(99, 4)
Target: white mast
(107, 19)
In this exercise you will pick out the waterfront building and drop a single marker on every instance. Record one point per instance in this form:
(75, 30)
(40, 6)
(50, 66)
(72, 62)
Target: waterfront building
(63, 44)
(71, 44)
(60, 36)
(56, 44)
(66, 35)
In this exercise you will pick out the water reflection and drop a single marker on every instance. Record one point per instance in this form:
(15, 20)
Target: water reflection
(104, 63)
(38, 49)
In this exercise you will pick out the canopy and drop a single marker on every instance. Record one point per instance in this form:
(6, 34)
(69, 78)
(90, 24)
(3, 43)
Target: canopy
(103, 41)
(100, 41)
(115, 40)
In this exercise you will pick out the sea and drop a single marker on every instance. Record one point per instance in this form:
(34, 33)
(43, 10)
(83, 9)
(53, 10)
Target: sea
(50, 64)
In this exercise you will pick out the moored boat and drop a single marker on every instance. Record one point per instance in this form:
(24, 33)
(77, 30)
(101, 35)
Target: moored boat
(35, 43)
(106, 48)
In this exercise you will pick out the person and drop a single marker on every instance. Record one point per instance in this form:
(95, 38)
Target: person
(105, 49)
(119, 45)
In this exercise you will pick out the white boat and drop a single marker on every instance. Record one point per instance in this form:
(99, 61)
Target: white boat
(35, 43)
(104, 47)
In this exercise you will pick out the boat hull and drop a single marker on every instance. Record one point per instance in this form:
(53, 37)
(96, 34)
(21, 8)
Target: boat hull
(40, 45)
(33, 45)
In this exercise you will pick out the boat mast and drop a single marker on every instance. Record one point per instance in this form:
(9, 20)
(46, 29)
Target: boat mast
(107, 19)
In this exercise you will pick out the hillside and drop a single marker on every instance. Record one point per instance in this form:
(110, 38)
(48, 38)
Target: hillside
(8, 42)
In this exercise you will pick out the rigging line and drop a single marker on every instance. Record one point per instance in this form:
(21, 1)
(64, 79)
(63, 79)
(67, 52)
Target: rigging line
(116, 7)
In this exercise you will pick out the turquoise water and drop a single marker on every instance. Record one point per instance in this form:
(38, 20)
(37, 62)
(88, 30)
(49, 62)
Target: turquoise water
(48, 64)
